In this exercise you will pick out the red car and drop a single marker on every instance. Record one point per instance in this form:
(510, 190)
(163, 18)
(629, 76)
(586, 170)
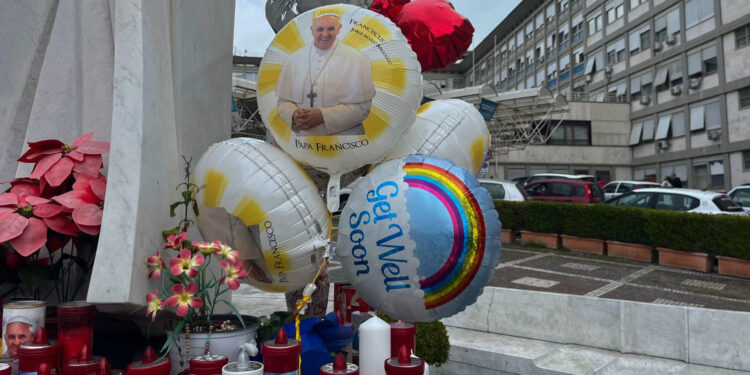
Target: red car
(574, 191)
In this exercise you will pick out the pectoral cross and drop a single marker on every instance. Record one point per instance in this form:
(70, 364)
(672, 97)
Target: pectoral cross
(312, 95)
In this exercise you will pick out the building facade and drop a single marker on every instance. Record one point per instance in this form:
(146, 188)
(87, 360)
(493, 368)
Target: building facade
(654, 86)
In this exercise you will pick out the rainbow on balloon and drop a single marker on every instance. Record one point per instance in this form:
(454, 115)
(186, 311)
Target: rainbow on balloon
(468, 232)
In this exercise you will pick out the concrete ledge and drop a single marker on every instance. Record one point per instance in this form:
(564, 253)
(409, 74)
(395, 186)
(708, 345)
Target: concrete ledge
(694, 335)
(481, 353)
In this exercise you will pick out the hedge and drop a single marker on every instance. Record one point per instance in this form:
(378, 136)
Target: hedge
(717, 235)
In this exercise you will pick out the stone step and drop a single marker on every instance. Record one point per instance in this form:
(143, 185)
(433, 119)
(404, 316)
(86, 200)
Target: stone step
(481, 353)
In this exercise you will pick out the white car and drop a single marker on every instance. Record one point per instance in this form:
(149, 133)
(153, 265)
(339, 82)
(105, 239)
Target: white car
(616, 188)
(559, 176)
(688, 200)
(741, 195)
(505, 190)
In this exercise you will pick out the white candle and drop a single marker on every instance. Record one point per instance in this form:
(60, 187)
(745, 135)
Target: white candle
(374, 346)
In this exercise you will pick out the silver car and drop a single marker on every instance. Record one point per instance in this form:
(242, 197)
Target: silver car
(505, 190)
(741, 195)
(616, 188)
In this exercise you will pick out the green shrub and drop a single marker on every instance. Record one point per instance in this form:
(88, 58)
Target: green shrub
(719, 235)
(432, 342)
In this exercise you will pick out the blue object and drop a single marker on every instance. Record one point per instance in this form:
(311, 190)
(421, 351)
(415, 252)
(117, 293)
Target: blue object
(320, 337)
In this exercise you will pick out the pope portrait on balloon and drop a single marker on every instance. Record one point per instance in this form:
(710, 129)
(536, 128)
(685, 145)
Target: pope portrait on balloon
(325, 88)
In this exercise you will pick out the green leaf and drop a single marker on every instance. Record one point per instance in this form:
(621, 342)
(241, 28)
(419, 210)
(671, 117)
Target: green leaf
(236, 313)
(175, 279)
(187, 196)
(173, 207)
(195, 208)
(173, 337)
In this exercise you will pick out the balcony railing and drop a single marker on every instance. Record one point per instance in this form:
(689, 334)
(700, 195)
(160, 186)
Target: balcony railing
(577, 96)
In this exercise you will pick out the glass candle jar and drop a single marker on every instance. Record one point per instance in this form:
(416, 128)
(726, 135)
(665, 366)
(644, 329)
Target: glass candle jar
(75, 321)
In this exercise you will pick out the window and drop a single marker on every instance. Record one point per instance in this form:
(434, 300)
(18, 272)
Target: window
(615, 10)
(577, 29)
(697, 11)
(744, 94)
(635, 3)
(648, 130)
(552, 74)
(678, 124)
(563, 37)
(458, 83)
(575, 133)
(594, 22)
(640, 39)
(539, 53)
(709, 175)
(519, 39)
(746, 159)
(578, 60)
(705, 116)
(595, 63)
(676, 202)
(668, 75)
(563, 5)
(662, 129)
(564, 66)
(551, 45)
(550, 12)
(667, 24)
(702, 62)
(635, 134)
(742, 36)
(539, 21)
(579, 86)
(616, 52)
(529, 30)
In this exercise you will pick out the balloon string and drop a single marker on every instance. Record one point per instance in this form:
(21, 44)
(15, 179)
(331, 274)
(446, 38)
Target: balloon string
(300, 305)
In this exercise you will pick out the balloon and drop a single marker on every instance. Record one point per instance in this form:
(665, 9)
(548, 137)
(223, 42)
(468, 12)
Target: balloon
(388, 8)
(395, 74)
(451, 129)
(280, 12)
(260, 202)
(437, 33)
(419, 238)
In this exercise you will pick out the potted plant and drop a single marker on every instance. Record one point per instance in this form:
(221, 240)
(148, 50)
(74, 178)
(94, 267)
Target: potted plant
(50, 221)
(192, 286)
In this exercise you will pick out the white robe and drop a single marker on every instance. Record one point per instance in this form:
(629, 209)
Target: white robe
(344, 89)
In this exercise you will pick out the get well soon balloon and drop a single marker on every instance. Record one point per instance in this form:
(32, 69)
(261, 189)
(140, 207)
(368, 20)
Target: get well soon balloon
(258, 200)
(451, 129)
(337, 87)
(419, 238)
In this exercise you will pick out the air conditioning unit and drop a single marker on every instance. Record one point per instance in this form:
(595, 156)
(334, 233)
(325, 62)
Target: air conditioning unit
(645, 99)
(671, 40)
(677, 90)
(589, 78)
(663, 144)
(695, 83)
(608, 70)
(657, 46)
(714, 134)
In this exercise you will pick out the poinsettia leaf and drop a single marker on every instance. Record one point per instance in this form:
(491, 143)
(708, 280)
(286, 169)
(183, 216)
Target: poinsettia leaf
(84, 138)
(38, 149)
(99, 187)
(75, 155)
(236, 313)
(44, 165)
(8, 199)
(62, 224)
(88, 214)
(59, 172)
(90, 229)
(173, 336)
(36, 200)
(11, 225)
(93, 147)
(32, 239)
(27, 189)
(47, 210)
(74, 199)
(90, 165)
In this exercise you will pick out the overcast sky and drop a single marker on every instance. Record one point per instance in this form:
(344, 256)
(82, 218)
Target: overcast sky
(253, 34)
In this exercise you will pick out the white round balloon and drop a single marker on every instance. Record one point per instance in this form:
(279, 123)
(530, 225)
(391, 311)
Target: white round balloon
(366, 85)
(451, 129)
(260, 202)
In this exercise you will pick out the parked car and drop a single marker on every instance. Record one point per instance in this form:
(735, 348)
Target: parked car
(741, 195)
(616, 188)
(505, 190)
(575, 191)
(520, 181)
(688, 200)
(560, 176)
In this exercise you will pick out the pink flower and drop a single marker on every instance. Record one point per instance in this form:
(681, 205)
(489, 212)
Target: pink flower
(175, 242)
(233, 273)
(154, 304)
(86, 200)
(155, 264)
(206, 248)
(185, 263)
(24, 220)
(55, 161)
(184, 298)
(226, 252)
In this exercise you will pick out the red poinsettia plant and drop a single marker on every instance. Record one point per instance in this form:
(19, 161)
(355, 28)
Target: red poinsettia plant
(189, 284)
(50, 220)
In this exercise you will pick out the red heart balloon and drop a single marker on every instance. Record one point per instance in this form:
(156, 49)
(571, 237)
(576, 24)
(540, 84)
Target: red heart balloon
(388, 8)
(436, 32)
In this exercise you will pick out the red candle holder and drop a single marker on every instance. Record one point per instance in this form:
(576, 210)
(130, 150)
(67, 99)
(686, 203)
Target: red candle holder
(75, 323)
